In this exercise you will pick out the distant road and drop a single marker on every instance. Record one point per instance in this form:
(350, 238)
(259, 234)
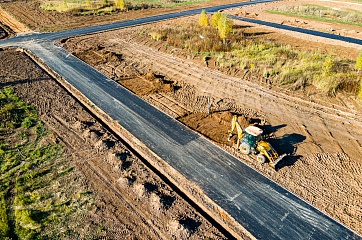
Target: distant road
(112, 26)
(264, 208)
(300, 30)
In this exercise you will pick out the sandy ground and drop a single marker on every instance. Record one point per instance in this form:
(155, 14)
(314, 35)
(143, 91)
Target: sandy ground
(321, 135)
(131, 202)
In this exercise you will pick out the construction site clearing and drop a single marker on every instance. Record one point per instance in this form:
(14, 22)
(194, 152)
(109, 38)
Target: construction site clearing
(323, 145)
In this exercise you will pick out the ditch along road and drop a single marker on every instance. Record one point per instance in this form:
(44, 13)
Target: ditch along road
(234, 194)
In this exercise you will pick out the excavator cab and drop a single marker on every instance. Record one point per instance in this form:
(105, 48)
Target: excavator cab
(251, 136)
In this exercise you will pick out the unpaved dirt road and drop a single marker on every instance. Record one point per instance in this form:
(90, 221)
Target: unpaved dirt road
(323, 139)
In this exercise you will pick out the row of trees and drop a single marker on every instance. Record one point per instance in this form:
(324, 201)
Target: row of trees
(219, 20)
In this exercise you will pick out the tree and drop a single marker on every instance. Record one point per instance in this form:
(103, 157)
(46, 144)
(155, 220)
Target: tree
(358, 65)
(215, 19)
(224, 27)
(203, 20)
(121, 4)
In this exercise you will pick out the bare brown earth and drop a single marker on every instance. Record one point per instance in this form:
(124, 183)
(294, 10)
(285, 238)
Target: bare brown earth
(130, 200)
(322, 135)
(324, 141)
(258, 12)
(29, 14)
(7, 20)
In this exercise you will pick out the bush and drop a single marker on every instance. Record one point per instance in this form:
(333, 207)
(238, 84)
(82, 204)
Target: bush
(328, 65)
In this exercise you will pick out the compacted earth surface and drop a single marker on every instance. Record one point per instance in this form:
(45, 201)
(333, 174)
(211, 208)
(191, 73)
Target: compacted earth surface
(322, 135)
(128, 200)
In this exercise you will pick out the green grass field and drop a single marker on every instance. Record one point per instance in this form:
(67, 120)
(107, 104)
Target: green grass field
(38, 192)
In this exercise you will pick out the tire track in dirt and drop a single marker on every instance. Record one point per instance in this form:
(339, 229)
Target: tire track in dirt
(156, 210)
(257, 97)
(213, 83)
(322, 139)
(225, 86)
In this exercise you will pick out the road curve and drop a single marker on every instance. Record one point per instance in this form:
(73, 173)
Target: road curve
(264, 208)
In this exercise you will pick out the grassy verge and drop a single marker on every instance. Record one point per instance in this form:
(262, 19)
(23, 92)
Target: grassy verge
(98, 7)
(36, 194)
(281, 64)
(321, 13)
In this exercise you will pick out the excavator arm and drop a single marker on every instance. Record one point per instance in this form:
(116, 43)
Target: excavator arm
(235, 124)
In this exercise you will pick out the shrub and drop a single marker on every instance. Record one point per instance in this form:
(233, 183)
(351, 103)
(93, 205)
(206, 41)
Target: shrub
(203, 20)
(158, 35)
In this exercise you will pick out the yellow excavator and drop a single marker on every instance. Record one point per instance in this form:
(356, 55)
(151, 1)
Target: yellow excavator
(250, 140)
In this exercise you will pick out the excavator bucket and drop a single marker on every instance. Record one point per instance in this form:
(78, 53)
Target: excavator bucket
(273, 164)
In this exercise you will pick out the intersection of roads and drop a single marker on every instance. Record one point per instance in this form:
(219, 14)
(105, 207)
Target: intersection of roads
(261, 206)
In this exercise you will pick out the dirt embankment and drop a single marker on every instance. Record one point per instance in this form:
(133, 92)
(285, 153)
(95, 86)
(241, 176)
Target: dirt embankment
(321, 137)
(10, 22)
(131, 201)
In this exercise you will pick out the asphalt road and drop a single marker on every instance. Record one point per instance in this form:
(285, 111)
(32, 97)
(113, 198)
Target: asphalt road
(264, 208)
(300, 30)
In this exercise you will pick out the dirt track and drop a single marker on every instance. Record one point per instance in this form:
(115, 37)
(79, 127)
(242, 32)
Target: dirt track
(323, 139)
